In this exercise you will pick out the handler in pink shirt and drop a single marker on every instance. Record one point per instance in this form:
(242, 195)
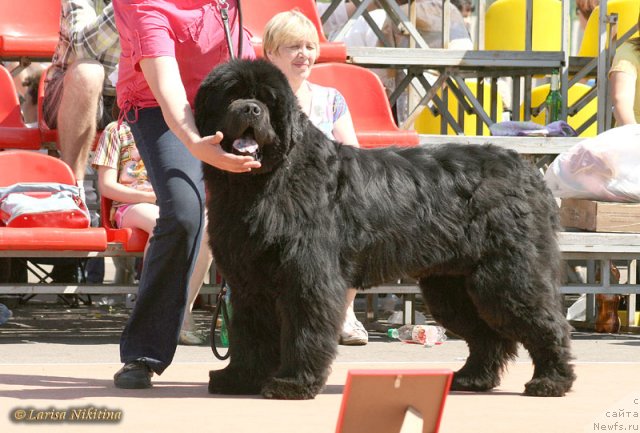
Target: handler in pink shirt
(168, 47)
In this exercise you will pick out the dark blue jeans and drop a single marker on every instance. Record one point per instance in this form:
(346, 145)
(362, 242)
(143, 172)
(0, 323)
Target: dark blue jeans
(152, 331)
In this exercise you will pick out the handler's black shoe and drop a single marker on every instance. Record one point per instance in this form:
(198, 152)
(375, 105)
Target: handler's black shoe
(134, 375)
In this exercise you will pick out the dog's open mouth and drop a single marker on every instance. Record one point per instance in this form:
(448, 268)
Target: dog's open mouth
(247, 145)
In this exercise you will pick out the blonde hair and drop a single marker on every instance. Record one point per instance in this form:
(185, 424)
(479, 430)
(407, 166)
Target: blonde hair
(288, 27)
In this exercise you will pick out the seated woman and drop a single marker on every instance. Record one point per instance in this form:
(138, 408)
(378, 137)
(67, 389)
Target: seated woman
(624, 79)
(122, 177)
(291, 42)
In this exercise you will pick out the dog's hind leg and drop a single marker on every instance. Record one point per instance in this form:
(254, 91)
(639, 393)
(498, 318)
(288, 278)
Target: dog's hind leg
(527, 308)
(254, 349)
(489, 352)
(549, 348)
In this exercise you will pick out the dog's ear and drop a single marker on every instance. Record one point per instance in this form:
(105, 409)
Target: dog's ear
(297, 126)
(199, 116)
(207, 102)
(290, 121)
(293, 119)
(201, 104)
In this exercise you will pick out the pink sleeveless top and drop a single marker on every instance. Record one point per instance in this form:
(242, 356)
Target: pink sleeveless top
(189, 30)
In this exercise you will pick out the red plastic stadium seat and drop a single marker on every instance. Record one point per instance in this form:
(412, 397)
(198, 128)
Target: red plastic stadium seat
(133, 240)
(23, 166)
(256, 14)
(368, 104)
(47, 135)
(13, 132)
(26, 166)
(29, 29)
(52, 239)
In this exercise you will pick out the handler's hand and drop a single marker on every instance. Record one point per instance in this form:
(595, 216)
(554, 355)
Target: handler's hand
(208, 150)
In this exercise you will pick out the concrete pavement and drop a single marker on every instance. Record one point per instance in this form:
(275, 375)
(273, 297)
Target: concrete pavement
(56, 360)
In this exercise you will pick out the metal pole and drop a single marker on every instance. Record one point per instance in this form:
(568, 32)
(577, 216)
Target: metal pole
(602, 67)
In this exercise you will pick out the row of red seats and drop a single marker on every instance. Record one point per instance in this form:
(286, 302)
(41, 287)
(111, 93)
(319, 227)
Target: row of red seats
(30, 34)
(33, 35)
(21, 166)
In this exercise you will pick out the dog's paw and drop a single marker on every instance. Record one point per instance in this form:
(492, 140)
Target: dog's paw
(546, 387)
(228, 381)
(466, 382)
(287, 388)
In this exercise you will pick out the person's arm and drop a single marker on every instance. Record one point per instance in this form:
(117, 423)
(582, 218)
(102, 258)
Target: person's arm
(344, 131)
(109, 187)
(623, 90)
(91, 34)
(163, 76)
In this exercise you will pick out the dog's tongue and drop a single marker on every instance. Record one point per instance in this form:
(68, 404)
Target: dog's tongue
(246, 146)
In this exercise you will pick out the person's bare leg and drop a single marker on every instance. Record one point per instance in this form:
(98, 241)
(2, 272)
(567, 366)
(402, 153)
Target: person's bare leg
(200, 269)
(83, 84)
(351, 296)
(125, 270)
(353, 332)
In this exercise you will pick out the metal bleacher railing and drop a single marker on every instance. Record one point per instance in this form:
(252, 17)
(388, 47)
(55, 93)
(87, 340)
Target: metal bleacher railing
(519, 39)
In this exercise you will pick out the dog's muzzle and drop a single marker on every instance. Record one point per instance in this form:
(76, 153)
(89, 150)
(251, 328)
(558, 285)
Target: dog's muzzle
(247, 121)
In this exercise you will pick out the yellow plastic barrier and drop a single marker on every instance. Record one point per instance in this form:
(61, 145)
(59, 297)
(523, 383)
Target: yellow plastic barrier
(627, 11)
(427, 123)
(505, 25)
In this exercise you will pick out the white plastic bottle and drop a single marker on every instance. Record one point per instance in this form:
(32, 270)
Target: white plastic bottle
(427, 335)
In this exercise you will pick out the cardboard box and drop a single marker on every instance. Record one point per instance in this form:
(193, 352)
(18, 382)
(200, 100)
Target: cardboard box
(600, 216)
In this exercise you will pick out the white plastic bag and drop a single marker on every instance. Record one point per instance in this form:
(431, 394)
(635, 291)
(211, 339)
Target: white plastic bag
(603, 168)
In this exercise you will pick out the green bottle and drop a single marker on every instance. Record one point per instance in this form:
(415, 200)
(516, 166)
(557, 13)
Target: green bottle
(224, 326)
(553, 103)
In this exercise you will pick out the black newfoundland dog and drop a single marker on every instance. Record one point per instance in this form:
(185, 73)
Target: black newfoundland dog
(475, 226)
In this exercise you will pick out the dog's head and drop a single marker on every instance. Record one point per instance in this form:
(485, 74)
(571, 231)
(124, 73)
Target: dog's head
(252, 104)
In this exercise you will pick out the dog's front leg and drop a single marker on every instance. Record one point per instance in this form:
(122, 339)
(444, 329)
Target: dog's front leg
(253, 345)
(310, 319)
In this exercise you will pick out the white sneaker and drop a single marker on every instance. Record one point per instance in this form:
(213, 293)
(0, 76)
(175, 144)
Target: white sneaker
(190, 338)
(353, 334)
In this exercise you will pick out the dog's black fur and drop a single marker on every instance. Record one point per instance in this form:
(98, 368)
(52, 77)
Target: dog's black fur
(475, 225)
